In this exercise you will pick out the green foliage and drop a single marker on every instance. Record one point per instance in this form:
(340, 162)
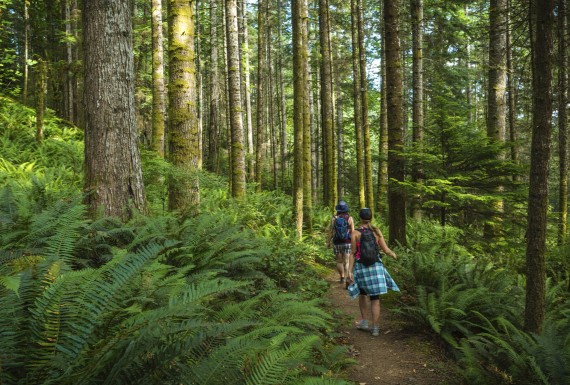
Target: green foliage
(476, 308)
(227, 296)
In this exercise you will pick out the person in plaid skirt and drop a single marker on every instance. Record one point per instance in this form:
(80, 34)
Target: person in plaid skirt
(341, 244)
(373, 280)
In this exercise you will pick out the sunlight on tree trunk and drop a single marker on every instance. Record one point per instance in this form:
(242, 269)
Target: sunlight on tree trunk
(158, 94)
(184, 192)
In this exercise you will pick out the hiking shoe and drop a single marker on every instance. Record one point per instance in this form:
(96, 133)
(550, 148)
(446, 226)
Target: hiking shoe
(375, 331)
(362, 325)
(341, 279)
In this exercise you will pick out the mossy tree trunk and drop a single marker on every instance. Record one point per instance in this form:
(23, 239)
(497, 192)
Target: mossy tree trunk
(183, 140)
(381, 197)
(213, 161)
(300, 52)
(235, 105)
(327, 110)
(158, 88)
(113, 176)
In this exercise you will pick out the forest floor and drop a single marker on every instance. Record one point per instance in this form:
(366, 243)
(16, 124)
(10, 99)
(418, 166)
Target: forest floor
(398, 356)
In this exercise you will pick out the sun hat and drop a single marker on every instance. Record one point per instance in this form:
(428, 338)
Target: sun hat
(365, 213)
(342, 207)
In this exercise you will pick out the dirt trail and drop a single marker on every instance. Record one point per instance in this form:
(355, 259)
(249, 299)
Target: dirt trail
(397, 356)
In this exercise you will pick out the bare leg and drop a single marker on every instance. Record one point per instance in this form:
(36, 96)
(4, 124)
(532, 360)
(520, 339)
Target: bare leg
(375, 306)
(363, 306)
(345, 265)
(340, 265)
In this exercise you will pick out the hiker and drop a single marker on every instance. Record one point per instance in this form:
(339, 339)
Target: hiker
(367, 270)
(340, 231)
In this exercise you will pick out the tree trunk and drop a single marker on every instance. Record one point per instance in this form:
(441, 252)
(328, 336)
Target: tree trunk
(299, 90)
(327, 113)
(542, 17)
(41, 89)
(396, 163)
(213, 122)
(282, 101)
(247, 92)
(234, 85)
(259, 159)
(496, 102)
(183, 144)
(417, 10)
(69, 88)
(26, 51)
(383, 132)
(512, 113)
(339, 147)
(158, 94)
(307, 155)
(199, 88)
(113, 176)
(562, 121)
(357, 105)
(367, 156)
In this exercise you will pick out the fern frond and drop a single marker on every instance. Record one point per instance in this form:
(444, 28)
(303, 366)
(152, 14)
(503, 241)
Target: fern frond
(280, 365)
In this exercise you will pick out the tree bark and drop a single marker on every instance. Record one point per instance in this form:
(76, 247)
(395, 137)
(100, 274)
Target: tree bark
(41, 90)
(183, 144)
(307, 155)
(282, 101)
(260, 96)
(158, 88)
(542, 17)
(213, 122)
(396, 164)
(367, 155)
(562, 121)
(113, 176)
(357, 106)
(299, 90)
(417, 9)
(511, 99)
(383, 132)
(235, 109)
(496, 102)
(327, 110)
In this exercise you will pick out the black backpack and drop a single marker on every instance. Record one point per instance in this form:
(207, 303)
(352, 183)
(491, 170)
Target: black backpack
(341, 229)
(369, 251)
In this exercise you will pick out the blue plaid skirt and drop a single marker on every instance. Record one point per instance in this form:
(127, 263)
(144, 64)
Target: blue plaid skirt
(374, 279)
(341, 248)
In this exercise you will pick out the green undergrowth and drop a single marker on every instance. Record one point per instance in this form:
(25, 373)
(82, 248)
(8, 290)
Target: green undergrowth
(226, 296)
(474, 304)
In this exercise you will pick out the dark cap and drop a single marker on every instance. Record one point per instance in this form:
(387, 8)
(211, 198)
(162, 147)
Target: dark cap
(342, 207)
(365, 213)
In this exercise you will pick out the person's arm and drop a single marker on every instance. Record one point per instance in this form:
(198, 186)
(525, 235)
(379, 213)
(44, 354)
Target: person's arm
(351, 258)
(351, 224)
(382, 243)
